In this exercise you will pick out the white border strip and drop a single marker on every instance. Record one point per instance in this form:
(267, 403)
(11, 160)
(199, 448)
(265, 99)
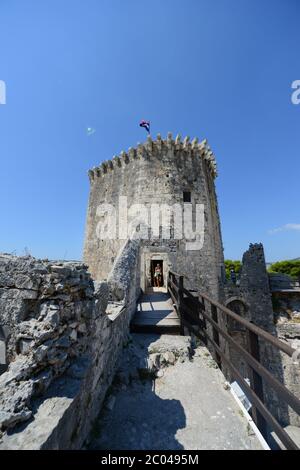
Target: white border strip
(250, 421)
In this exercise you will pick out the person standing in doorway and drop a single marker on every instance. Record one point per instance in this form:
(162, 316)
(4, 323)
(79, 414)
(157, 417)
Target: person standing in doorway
(157, 276)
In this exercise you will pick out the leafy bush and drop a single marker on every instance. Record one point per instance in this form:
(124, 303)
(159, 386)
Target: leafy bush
(236, 265)
(291, 268)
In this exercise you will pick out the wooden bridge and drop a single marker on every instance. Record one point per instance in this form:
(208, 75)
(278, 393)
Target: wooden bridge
(156, 314)
(181, 311)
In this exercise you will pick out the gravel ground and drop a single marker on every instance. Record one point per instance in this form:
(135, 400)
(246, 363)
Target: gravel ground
(169, 397)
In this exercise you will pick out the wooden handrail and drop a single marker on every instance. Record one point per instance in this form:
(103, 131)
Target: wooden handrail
(259, 331)
(190, 313)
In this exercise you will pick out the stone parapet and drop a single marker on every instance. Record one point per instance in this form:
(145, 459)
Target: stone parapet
(156, 149)
(64, 337)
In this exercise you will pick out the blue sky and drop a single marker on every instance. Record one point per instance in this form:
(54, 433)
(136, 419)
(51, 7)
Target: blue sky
(220, 69)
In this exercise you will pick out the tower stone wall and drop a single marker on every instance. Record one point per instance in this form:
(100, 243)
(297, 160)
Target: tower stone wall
(154, 174)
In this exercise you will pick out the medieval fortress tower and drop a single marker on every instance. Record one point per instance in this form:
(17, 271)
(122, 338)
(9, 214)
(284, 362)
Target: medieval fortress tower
(158, 175)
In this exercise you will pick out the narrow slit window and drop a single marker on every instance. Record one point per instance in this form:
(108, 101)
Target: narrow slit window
(187, 196)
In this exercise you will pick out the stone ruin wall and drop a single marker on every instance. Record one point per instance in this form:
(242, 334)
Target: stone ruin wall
(286, 297)
(64, 337)
(158, 172)
(255, 300)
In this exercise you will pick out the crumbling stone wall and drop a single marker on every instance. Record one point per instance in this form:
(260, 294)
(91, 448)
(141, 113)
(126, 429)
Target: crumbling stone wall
(238, 334)
(46, 310)
(40, 301)
(254, 290)
(254, 284)
(286, 306)
(279, 281)
(289, 332)
(63, 349)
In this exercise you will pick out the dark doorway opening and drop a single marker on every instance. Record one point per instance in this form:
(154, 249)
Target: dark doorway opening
(157, 280)
(187, 196)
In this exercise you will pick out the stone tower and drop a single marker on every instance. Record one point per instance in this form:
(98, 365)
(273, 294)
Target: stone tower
(163, 177)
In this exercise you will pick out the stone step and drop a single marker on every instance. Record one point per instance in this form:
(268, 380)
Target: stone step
(155, 313)
(155, 329)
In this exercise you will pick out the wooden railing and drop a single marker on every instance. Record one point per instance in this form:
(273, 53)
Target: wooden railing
(196, 311)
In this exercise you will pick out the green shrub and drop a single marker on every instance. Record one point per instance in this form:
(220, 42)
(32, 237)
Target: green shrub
(236, 265)
(291, 268)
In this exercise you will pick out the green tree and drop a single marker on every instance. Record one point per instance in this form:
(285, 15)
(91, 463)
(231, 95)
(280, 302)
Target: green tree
(235, 264)
(289, 267)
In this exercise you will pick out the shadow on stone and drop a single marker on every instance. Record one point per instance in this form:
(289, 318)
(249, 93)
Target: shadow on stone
(134, 417)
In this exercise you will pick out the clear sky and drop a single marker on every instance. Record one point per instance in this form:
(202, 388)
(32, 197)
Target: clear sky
(220, 69)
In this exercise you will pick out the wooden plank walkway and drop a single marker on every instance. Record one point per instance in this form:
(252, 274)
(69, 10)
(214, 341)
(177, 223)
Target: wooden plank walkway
(155, 314)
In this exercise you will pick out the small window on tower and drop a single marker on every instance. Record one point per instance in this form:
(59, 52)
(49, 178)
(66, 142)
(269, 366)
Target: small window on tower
(187, 196)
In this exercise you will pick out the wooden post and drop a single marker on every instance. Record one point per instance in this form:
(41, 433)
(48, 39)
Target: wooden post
(214, 315)
(205, 340)
(180, 302)
(256, 382)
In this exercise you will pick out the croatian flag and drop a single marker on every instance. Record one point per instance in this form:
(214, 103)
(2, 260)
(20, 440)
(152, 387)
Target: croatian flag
(146, 125)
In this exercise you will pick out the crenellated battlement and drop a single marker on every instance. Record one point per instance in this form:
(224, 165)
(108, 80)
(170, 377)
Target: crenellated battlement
(155, 149)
